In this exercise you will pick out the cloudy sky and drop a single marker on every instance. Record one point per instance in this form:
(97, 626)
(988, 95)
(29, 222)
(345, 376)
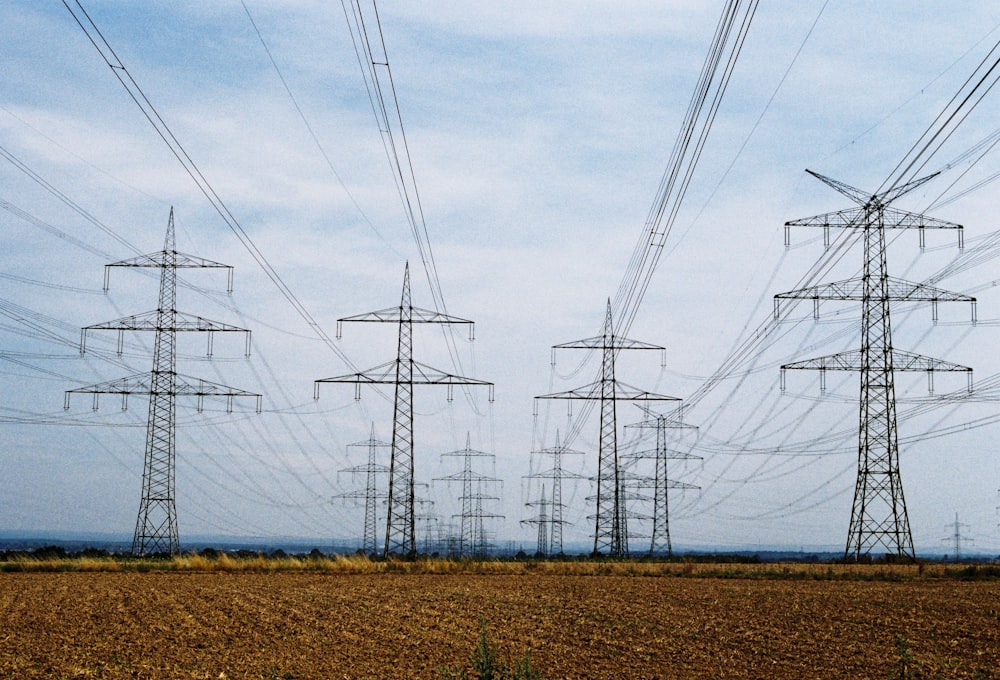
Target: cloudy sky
(538, 134)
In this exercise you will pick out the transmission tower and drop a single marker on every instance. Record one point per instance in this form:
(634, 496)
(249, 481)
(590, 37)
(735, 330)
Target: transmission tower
(956, 538)
(429, 520)
(472, 535)
(370, 494)
(610, 527)
(554, 522)
(403, 373)
(660, 483)
(541, 520)
(878, 515)
(156, 526)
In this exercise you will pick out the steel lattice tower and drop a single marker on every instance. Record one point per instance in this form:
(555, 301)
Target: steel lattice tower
(878, 515)
(371, 494)
(957, 538)
(156, 527)
(610, 529)
(659, 543)
(472, 535)
(542, 520)
(403, 372)
(556, 473)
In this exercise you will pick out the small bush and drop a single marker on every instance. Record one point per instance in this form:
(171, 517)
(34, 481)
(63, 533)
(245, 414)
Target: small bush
(487, 664)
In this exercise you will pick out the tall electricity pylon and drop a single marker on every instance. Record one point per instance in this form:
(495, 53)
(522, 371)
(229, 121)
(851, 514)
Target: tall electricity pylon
(403, 373)
(371, 493)
(556, 473)
(472, 534)
(878, 515)
(156, 527)
(610, 529)
(659, 543)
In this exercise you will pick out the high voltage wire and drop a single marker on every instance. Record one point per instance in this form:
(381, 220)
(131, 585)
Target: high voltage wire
(731, 32)
(715, 76)
(959, 108)
(312, 133)
(151, 114)
(730, 375)
(373, 58)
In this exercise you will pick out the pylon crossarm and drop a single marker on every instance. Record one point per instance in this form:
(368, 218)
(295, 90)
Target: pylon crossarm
(900, 361)
(601, 342)
(673, 419)
(151, 321)
(556, 473)
(146, 321)
(855, 218)
(188, 386)
(857, 195)
(863, 198)
(361, 469)
(853, 289)
(558, 450)
(625, 392)
(172, 258)
(902, 219)
(849, 217)
(466, 476)
(892, 193)
(898, 290)
(663, 453)
(429, 375)
(843, 361)
(585, 392)
(133, 384)
(370, 442)
(381, 374)
(414, 315)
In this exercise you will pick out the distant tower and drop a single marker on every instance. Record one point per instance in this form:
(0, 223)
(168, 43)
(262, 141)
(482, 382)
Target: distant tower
(556, 474)
(156, 527)
(371, 493)
(403, 373)
(659, 543)
(542, 520)
(878, 517)
(429, 521)
(610, 529)
(472, 540)
(956, 538)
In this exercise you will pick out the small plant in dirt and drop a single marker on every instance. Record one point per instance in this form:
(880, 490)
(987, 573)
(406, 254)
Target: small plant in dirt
(487, 664)
(906, 667)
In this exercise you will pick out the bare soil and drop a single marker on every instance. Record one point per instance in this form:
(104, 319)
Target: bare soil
(288, 625)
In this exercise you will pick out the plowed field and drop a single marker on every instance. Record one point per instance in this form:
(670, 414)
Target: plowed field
(284, 625)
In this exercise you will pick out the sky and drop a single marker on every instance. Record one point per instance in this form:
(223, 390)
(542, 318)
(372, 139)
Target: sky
(538, 134)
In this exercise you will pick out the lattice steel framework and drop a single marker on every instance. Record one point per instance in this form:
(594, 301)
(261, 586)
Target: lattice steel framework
(553, 523)
(472, 537)
(403, 373)
(957, 539)
(878, 516)
(156, 527)
(610, 528)
(542, 522)
(663, 424)
(371, 494)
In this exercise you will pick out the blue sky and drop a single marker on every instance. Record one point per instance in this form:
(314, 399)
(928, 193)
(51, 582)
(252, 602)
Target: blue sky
(539, 134)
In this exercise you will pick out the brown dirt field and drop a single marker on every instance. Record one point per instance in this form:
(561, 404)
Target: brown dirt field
(286, 625)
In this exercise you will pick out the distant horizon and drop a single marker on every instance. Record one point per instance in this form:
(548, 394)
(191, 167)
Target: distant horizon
(116, 543)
